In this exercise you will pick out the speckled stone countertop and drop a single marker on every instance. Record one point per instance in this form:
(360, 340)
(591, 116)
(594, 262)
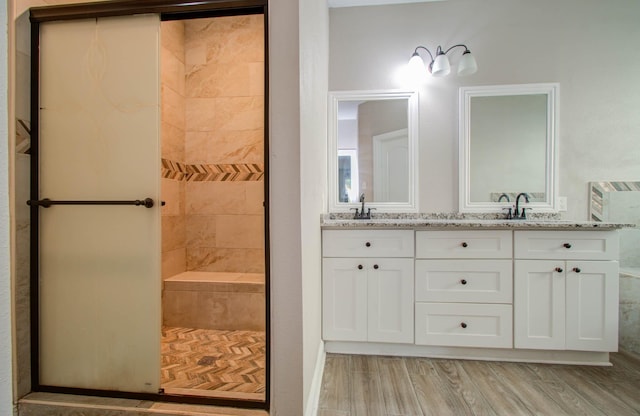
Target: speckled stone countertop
(462, 221)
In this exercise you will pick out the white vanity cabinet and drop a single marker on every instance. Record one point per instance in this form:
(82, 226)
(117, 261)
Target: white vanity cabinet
(566, 290)
(522, 291)
(367, 288)
(464, 288)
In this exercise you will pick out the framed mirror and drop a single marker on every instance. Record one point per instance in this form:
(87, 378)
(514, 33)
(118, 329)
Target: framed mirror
(373, 150)
(507, 146)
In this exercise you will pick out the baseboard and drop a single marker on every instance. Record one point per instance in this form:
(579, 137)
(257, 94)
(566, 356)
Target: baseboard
(468, 353)
(316, 383)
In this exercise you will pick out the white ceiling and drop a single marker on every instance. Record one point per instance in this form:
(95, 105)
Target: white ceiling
(353, 3)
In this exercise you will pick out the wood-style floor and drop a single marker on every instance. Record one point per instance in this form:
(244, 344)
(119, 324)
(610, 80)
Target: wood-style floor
(355, 385)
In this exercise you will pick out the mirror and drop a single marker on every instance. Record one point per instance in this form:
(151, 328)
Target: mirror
(507, 146)
(373, 138)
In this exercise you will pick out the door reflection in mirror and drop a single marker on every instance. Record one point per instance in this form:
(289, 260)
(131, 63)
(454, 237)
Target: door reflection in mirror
(348, 175)
(373, 150)
(372, 155)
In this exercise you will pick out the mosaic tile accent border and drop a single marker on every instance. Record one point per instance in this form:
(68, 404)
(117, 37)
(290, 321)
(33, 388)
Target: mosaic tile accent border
(231, 172)
(598, 209)
(23, 136)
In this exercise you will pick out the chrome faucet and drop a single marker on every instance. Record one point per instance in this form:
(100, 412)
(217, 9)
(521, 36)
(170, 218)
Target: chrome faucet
(517, 215)
(362, 215)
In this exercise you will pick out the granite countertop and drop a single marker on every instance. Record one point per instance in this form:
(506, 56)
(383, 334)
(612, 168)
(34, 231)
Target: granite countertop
(463, 221)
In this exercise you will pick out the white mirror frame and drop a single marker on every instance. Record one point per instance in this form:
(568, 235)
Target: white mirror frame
(551, 180)
(335, 97)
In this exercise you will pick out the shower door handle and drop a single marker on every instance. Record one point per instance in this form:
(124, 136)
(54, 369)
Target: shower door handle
(46, 202)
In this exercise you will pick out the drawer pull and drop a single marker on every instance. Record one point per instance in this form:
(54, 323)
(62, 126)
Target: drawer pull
(577, 269)
(559, 269)
(463, 325)
(465, 244)
(463, 281)
(566, 245)
(375, 266)
(359, 266)
(368, 244)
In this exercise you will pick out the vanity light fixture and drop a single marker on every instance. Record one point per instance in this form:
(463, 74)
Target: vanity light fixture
(440, 66)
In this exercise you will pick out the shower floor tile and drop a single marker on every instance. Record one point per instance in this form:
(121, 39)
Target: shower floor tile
(213, 363)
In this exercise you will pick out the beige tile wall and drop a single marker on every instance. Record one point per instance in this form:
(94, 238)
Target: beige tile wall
(213, 112)
(173, 139)
(224, 113)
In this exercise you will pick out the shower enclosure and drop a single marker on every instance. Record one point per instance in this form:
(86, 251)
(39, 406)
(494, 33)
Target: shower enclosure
(100, 200)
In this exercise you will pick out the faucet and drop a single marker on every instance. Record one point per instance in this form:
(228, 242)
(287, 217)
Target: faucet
(516, 214)
(362, 215)
(505, 196)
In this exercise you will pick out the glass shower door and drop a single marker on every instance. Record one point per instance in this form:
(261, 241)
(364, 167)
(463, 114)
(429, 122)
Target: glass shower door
(99, 265)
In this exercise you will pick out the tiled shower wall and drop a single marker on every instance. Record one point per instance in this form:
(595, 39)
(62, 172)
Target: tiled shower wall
(221, 167)
(173, 135)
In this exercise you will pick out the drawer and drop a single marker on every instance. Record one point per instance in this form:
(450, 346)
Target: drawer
(570, 245)
(475, 281)
(464, 325)
(367, 243)
(470, 244)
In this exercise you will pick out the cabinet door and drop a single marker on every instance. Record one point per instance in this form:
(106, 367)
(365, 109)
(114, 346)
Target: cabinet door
(592, 305)
(539, 304)
(390, 317)
(344, 299)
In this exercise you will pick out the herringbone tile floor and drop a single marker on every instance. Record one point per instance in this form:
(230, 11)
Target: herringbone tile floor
(214, 363)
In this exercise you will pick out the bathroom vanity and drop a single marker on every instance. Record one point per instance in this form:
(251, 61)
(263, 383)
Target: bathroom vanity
(544, 291)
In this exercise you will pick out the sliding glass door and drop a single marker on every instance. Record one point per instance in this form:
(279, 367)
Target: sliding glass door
(99, 264)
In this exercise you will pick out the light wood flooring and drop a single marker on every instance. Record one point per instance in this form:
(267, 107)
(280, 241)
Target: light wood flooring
(355, 385)
(213, 363)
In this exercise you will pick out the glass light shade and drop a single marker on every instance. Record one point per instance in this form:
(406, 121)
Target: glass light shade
(441, 66)
(416, 64)
(467, 64)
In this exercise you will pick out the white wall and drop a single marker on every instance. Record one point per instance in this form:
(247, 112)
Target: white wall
(314, 78)
(585, 45)
(285, 229)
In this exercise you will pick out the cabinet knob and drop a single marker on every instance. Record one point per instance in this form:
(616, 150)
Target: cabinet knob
(559, 269)
(577, 269)
(463, 325)
(359, 266)
(566, 245)
(463, 281)
(464, 244)
(375, 266)
(368, 244)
